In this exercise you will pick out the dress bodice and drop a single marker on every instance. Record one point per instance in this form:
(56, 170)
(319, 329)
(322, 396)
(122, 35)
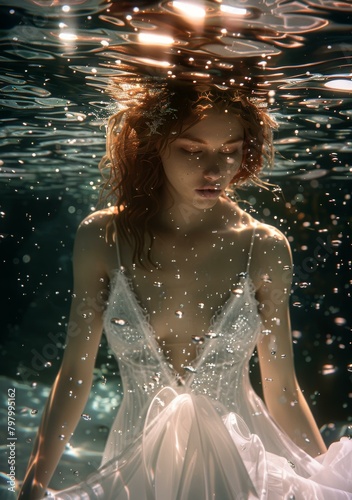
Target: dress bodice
(221, 353)
(218, 371)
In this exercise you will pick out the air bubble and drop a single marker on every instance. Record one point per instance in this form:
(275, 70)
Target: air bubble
(238, 292)
(328, 369)
(201, 305)
(303, 284)
(158, 284)
(196, 339)
(85, 416)
(178, 314)
(266, 332)
(211, 335)
(190, 369)
(118, 321)
(243, 275)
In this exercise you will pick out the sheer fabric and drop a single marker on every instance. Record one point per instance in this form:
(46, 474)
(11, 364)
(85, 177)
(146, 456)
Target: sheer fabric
(207, 435)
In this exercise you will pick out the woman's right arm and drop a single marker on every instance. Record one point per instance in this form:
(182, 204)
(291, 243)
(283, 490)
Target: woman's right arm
(71, 388)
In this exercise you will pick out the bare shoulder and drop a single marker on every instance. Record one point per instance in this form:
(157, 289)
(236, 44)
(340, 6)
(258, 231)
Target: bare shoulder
(97, 221)
(95, 227)
(269, 237)
(94, 237)
(271, 253)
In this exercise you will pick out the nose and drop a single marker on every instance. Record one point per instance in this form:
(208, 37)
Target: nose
(212, 173)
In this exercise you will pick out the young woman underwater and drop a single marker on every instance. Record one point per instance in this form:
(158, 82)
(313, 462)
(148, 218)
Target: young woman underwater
(193, 285)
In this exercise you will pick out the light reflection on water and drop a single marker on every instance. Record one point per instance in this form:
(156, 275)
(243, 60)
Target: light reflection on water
(55, 64)
(55, 61)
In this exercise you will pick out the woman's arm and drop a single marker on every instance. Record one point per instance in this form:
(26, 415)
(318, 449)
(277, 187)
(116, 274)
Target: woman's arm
(71, 388)
(282, 393)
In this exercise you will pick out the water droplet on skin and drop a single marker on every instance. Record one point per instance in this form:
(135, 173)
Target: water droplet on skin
(61, 437)
(118, 321)
(79, 382)
(178, 314)
(196, 339)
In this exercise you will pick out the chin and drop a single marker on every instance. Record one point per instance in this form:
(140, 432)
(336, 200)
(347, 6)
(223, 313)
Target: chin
(204, 203)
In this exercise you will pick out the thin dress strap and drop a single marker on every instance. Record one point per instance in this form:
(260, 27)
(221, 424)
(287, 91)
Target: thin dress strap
(250, 249)
(117, 246)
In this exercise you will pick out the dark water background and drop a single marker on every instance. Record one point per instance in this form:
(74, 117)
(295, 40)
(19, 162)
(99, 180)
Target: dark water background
(56, 58)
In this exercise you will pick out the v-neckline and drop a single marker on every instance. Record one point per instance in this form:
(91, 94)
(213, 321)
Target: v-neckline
(214, 325)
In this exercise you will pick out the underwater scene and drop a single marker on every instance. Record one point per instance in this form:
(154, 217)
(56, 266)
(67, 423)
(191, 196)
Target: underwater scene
(294, 57)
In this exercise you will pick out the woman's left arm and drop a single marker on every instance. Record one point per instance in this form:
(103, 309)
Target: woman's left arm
(282, 394)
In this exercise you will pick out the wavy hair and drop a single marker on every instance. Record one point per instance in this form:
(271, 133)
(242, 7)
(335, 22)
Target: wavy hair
(148, 117)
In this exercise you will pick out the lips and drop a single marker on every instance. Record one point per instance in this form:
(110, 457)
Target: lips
(208, 191)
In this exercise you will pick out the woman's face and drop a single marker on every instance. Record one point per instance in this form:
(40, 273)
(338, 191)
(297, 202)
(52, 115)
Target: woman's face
(200, 163)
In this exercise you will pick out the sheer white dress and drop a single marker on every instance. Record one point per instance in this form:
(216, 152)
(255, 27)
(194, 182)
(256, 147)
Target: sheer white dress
(206, 435)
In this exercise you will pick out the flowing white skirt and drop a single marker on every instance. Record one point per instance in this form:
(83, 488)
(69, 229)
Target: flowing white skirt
(188, 452)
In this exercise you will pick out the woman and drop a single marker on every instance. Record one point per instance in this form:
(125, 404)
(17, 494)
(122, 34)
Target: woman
(193, 284)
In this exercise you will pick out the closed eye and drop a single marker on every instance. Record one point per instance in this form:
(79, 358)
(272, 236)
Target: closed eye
(229, 150)
(191, 150)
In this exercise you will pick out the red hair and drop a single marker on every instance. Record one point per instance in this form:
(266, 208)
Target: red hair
(152, 115)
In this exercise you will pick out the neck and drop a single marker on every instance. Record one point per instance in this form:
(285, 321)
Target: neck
(185, 219)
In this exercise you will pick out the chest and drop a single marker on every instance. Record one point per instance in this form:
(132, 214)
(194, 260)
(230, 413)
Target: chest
(188, 285)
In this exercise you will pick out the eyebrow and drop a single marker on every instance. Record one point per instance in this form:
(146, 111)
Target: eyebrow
(190, 137)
